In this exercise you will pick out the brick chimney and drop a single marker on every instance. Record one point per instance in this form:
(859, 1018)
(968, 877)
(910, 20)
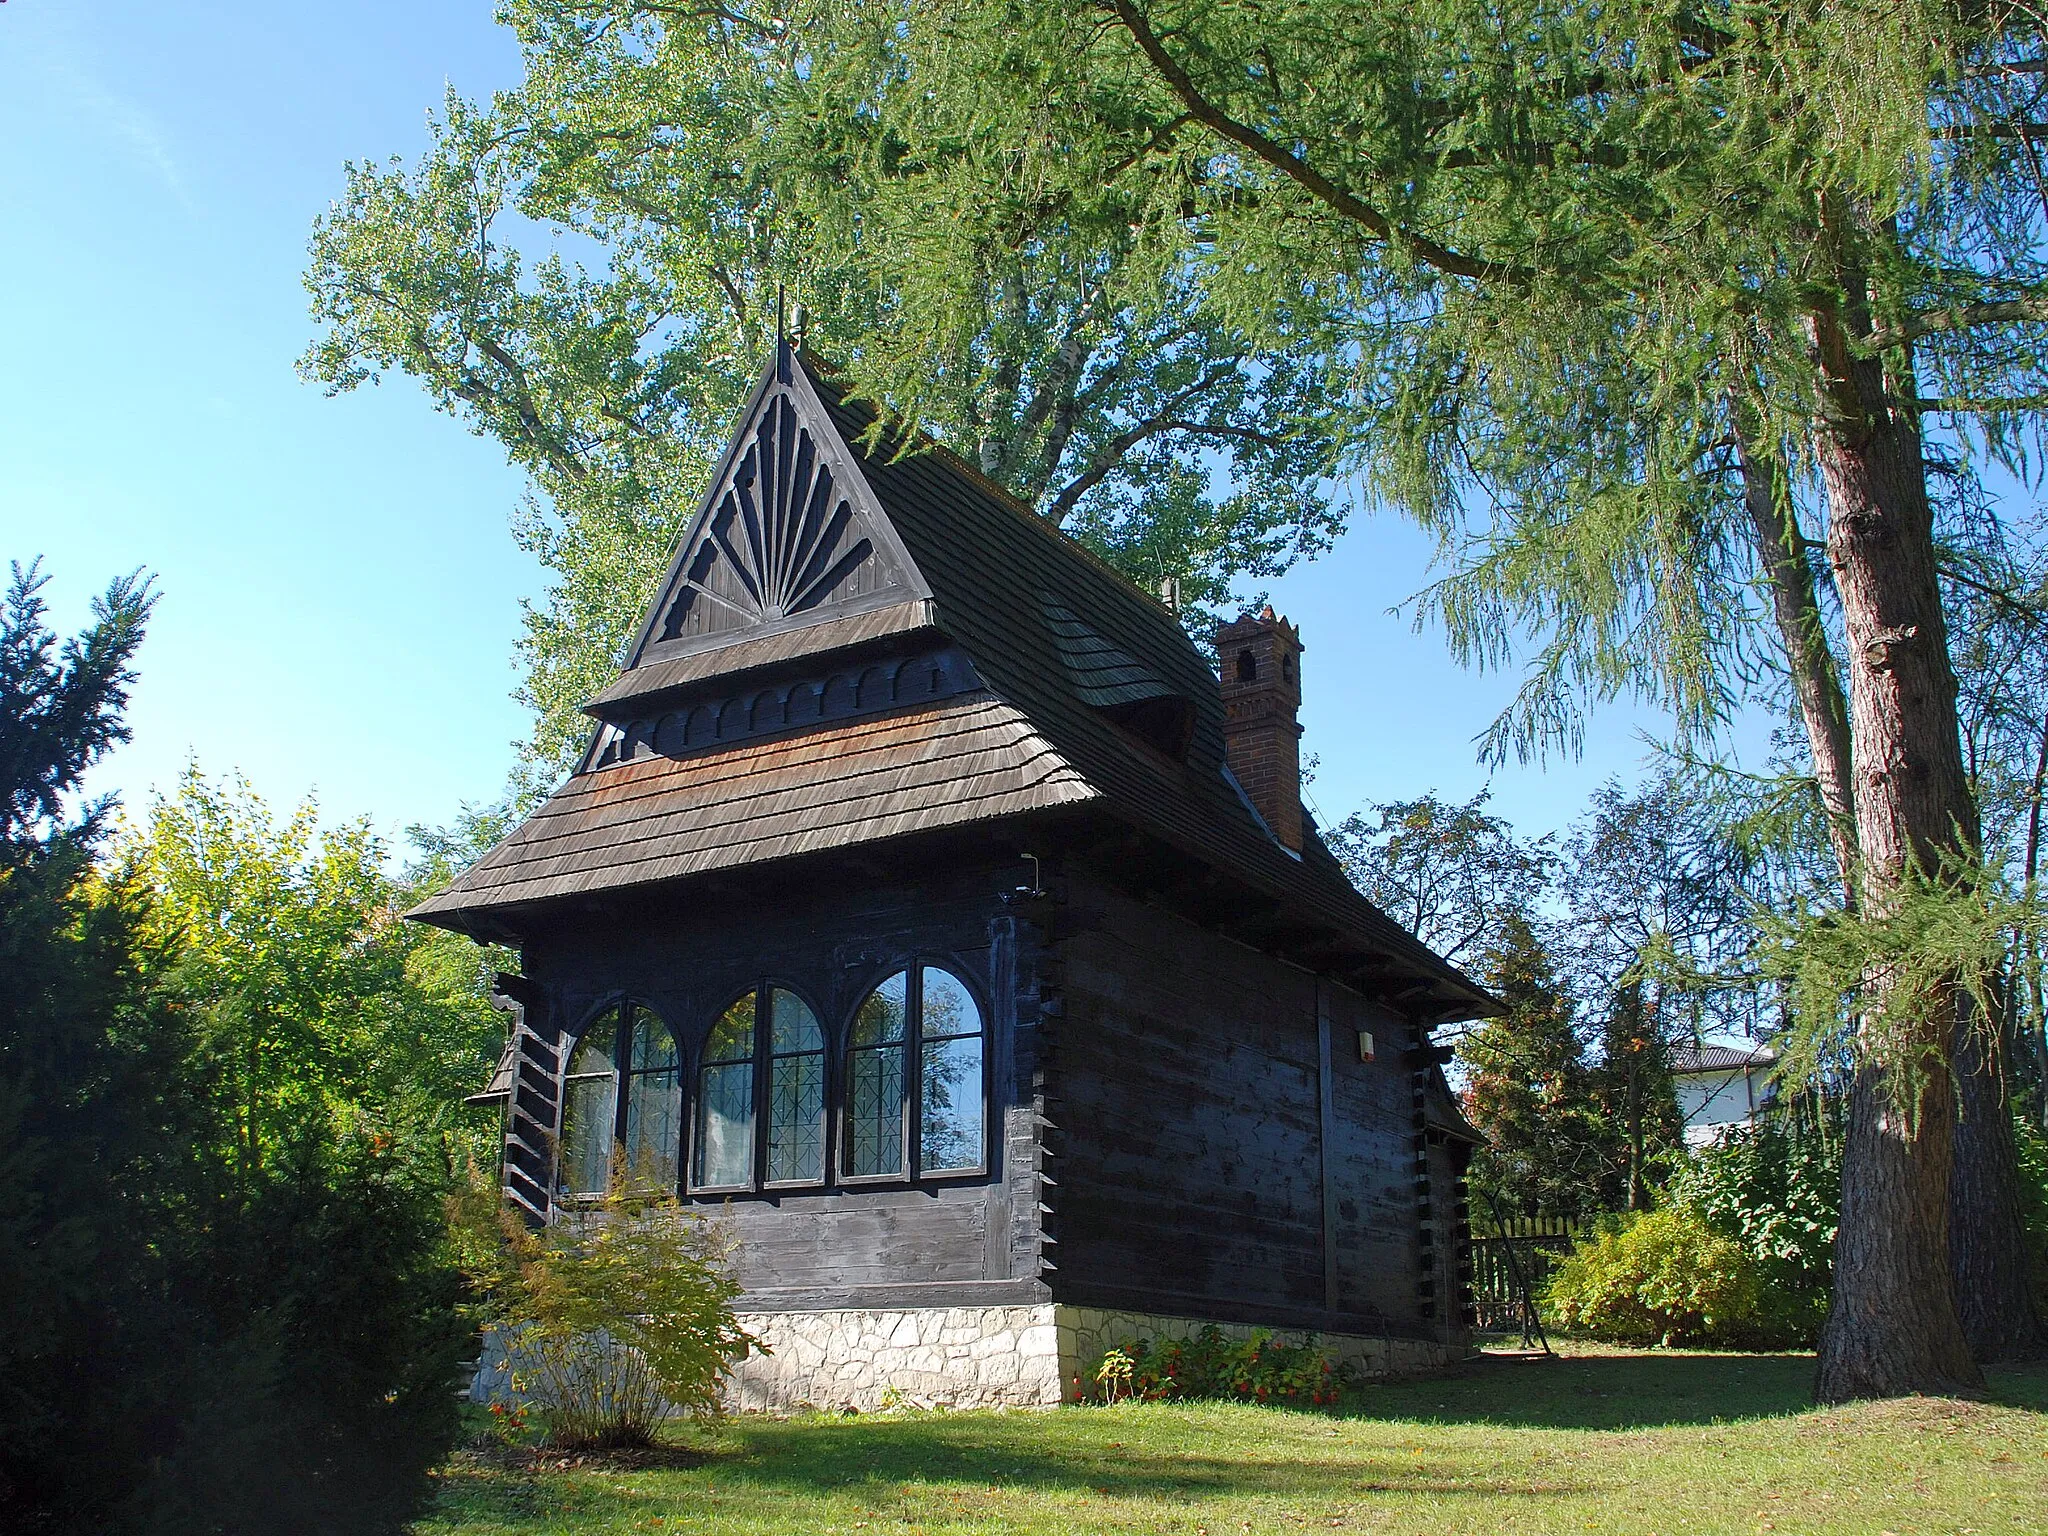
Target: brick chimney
(1261, 660)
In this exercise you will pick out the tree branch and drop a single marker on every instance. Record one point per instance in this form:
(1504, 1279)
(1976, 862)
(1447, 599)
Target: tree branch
(1297, 169)
(1960, 317)
(520, 400)
(1963, 405)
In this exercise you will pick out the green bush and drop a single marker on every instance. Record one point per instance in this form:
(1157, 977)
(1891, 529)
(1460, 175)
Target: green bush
(1776, 1189)
(2032, 1146)
(1254, 1369)
(620, 1319)
(1663, 1277)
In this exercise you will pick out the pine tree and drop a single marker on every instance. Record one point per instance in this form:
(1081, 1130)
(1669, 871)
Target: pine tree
(1633, 1090)
(1527, 1088)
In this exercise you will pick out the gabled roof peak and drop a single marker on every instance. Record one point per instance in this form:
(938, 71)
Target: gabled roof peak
(789, 534)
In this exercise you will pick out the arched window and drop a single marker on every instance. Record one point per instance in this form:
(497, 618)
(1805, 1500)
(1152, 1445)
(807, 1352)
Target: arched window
(796, 1091)
(724, 1157)
(915, 1079)
(589, 1100)
(645, 1120)
(875, 1080)
(652, 1128)
(949, 1076)
(755, 1126)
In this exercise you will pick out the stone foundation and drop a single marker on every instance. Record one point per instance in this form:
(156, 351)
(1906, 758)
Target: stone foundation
(964, 1357)
(981, 1357)
(969, 1357)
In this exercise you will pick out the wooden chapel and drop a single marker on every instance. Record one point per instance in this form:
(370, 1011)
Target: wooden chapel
(926, 904)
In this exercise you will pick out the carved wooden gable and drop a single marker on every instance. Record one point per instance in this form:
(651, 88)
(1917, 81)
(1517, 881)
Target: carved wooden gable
(790, 534)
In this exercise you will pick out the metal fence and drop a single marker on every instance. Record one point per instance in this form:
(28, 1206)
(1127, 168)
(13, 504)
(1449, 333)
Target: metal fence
(1506, 1255)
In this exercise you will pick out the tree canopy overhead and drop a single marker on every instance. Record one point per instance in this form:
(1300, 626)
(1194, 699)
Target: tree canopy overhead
(590, 269)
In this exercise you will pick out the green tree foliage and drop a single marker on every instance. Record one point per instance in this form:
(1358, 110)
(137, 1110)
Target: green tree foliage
(1633, 1092)
(589, 268)
(1776, 1188)
(615, 1321)
(314, 1002)
(192, 1340)
(1528, 1088)
(85, 1145)
(1658, 916)
(1619, 298)
(1452, 875)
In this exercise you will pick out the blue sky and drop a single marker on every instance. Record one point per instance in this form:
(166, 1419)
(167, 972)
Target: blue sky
(340, 592)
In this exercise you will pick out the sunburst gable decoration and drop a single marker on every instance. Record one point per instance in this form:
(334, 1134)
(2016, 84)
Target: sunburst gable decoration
(790, 534)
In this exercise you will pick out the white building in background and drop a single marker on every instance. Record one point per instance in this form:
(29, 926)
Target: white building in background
(1720, 1085)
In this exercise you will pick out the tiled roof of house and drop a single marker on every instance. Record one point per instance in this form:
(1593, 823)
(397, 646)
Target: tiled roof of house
(1707, 1057)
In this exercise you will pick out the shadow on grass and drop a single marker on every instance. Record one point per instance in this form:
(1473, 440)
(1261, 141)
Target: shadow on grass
(920, 1469)
(1601, 1391)
(1634, 1391)
(1156, 1458)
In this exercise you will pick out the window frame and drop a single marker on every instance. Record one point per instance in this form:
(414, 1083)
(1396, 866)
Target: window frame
(626, 1008)
(758, 1182)
(910, 1172)
(764, 1024)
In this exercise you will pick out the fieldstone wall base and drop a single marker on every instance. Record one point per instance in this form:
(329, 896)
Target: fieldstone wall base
(982, 1357)
(925, 1357)
(966, 1357)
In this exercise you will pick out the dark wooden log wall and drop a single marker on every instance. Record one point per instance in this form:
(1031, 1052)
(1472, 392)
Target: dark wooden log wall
(1163, 1136)
(1190, 1151)
(1379, 1238)
(832, 935)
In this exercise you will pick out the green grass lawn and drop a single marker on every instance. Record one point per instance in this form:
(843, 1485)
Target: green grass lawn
(1606, 1441)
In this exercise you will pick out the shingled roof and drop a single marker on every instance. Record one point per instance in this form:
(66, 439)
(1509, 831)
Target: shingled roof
(962, 661)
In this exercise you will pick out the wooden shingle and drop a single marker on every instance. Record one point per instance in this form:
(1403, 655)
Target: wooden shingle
(920, 547)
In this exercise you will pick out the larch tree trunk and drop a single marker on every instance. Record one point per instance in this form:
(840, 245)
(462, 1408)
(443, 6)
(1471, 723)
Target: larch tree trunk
(2027, 984)
(1987, 1240)
(1893, 1328)
(1987, 1230)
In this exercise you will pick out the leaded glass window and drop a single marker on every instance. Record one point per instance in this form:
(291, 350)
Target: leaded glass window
(876, 1051)
(654, 1103)
(724, 1156)
(796, 1091)
(921, 1025)
(949, 1075)
(644, 1121)
(589, 1103)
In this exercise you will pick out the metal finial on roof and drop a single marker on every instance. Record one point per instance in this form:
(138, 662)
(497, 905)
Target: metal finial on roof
(782, 355)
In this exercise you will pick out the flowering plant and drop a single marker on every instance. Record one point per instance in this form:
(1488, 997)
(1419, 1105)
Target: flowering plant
(1256, 1368)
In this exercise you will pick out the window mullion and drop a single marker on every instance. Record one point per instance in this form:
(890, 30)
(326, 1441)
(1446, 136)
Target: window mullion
(913, 1069)
(622, 1080)
(764, 1072)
